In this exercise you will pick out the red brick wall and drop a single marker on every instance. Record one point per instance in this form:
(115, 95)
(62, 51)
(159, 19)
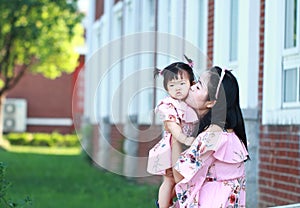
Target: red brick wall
(148, 137)
(117, 137)
(146, 143)
(210, 31)
(78, 94)
(279, 173)
(99, 9)
(95, 142)
(261, 56)
(279, 176)
(46, 99)
(261, 190)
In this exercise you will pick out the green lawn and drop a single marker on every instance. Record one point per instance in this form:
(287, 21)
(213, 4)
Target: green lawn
(64, 179)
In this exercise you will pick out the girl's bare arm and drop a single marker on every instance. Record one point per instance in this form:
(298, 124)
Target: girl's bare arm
(177, 133)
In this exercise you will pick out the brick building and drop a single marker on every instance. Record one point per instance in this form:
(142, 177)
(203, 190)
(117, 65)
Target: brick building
(258, 40)
(49, 102)
(37, 104)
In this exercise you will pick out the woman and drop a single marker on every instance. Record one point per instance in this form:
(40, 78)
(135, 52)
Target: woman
(211, 172)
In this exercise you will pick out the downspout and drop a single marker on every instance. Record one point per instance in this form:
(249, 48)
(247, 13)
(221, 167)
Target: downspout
(121, 60)
(183, 25)
(155, 57)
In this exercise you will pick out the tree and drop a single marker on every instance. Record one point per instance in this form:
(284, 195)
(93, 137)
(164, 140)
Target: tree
(37, 36)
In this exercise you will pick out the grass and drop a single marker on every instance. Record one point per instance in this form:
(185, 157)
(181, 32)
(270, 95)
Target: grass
(46, 150)
(64, 178)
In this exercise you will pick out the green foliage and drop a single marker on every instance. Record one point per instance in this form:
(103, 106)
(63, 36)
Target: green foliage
(19, 138)
(40, 36)
(43, 139)
(4, 186)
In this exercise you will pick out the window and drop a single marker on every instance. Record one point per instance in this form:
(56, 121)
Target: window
(291, 87)
(291, 22)
(152, 11)
(291, 57)
(281, 96)
(233, 48)
(202, 28)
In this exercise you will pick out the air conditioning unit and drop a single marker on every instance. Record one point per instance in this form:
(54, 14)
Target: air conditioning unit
(14, 115)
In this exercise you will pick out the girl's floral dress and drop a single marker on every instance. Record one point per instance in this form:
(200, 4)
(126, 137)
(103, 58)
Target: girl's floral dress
(214, 176)
(170, 109)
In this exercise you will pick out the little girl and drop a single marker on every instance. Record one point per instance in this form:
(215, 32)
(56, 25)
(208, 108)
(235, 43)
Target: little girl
(179, 121)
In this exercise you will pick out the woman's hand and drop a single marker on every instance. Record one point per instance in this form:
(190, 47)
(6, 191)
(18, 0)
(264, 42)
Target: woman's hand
(202, 146)
(166, 126)
(189, 141)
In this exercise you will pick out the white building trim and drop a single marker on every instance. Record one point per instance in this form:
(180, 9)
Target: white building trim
(49, 121)
(246, 66)
(273, 112)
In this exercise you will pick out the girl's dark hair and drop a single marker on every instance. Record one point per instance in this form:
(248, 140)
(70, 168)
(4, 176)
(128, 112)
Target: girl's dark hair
(174, 71)
(226, 113)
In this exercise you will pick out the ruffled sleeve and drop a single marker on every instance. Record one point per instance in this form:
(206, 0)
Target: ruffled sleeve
(167, 110)
(226, 147)
(194, 163)
(222, 146)
(230, 149)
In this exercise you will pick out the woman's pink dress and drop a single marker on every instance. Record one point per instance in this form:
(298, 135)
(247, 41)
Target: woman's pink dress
(170, 109)
(214, 177)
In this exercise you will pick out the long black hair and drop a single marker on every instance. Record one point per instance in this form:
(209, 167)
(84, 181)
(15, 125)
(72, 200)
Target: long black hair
(226, 113)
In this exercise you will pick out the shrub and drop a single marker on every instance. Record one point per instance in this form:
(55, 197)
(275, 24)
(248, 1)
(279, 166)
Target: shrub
(71, 140)
(20, 138)
(54, 139)
(57, 139)
(42, 139)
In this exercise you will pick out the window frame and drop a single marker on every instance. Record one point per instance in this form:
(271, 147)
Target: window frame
(233, 29)
(296, 49)
(287, 65)
(276, 59)
(291, 59)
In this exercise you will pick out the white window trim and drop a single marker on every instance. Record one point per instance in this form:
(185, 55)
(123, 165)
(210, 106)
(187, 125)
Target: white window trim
(97, 32)
(246, 67)
(152, 16)
(222, 32)
(49, 121)
(273, 112)
(233, 62)
(117, 9)
(290, 51)
(194, 34)
(288, 63)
